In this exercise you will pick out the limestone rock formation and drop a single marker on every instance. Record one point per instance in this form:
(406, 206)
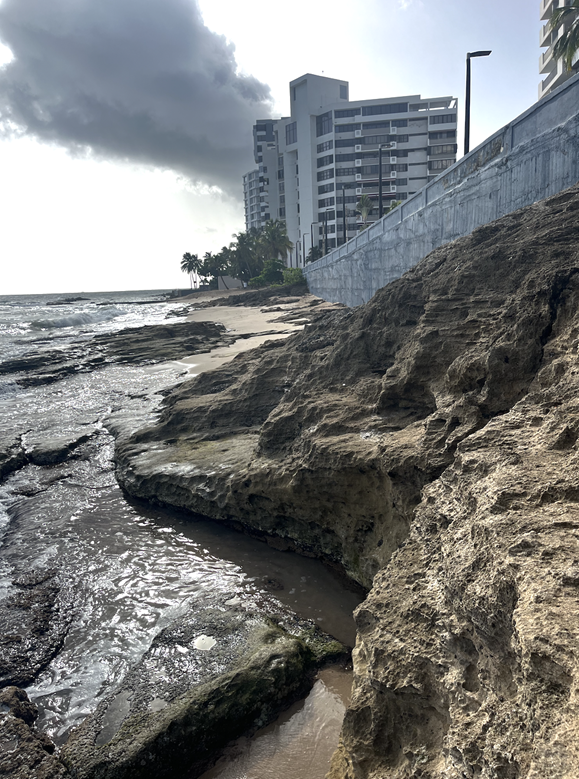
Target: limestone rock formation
(211, 675)
(427, 442)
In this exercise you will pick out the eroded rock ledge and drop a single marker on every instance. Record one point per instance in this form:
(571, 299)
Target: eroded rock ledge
(426, 442)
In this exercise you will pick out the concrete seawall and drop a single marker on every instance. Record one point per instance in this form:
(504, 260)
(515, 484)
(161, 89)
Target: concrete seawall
(534, 156)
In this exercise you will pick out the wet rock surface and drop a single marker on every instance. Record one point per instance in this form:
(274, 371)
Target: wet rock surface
(24, 752)
(427, 442)
(12, 455)
(53, 449)
(211, 675)
(144, 345)
(34, 621)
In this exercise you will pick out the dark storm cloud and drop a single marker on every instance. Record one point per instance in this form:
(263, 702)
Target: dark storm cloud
(140, 80)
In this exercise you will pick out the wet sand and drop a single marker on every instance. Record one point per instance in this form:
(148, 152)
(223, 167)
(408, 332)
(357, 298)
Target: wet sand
(254, 325)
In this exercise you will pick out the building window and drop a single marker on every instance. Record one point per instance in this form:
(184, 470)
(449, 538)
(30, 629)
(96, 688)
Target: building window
(327, 160)
(342, 143)
(348, 171)
(389, 108)
(325, 202)
(291, 133)
(325, 174)
(280, 174)
(325, 188)
(343, 91)
(325, 146)
(260, 128)
(324, 124)
(439, 136)
(399, 123)
(346, 112)
(346, 157)
(281, 212)
(445, 148)
(347, 128)
(280, 161)
(376, 125)
(369, 170)
(281, 186)
(440, 164)
(443, 119)
(259, 148)
(376, 140)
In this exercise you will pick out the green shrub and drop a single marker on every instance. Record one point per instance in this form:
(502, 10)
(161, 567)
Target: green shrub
(257, 281)
(293, 276)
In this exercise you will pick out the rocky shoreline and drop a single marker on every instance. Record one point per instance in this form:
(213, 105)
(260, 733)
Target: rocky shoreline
(426, 442)
(215, 672)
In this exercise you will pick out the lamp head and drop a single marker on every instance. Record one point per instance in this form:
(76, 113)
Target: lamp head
(478, 54)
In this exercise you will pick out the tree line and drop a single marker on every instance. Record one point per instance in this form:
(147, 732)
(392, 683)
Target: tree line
(258, 256)
(248, 257)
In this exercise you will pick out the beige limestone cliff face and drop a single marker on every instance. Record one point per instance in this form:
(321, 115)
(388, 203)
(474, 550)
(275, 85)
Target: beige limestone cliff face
(427, 443)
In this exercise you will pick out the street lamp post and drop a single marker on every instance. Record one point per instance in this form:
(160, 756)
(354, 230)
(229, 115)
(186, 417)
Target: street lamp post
(344, 229)
(304, 248)
(467, 97)
(380, 200)
(312, 233)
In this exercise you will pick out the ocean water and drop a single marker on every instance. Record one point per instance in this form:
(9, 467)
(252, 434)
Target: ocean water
(133, 568)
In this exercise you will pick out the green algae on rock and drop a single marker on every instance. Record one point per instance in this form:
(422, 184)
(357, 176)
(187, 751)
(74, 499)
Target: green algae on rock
(210, 676)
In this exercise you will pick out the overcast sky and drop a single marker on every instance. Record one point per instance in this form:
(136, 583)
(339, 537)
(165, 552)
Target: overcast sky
(125, 125)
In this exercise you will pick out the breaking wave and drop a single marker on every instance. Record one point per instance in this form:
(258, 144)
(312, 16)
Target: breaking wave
(75, 320)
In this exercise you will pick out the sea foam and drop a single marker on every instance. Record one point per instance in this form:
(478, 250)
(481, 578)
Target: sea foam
(75, 320)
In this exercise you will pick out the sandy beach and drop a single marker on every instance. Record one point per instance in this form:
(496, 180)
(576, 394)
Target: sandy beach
(273, 319)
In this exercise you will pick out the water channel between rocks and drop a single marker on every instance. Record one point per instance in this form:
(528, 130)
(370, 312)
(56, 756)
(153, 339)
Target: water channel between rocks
(133, 568)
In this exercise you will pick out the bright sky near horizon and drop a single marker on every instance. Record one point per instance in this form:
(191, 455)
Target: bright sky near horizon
(125, 125)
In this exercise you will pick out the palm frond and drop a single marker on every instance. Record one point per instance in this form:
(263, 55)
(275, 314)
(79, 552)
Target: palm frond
(568, 44)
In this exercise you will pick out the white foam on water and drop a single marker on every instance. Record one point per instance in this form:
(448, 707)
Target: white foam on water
(104, 314)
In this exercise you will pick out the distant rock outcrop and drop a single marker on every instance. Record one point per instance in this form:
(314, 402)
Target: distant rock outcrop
(426, 442)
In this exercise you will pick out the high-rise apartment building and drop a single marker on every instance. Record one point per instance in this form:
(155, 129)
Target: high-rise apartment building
(554, 69)
(260, 198)
(251, 199)
(316, 164)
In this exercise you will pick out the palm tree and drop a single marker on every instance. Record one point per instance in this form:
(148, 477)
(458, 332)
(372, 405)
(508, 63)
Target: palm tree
(246, 260)
(363, 207)
(190, 264)
(274, 240)
(568, 44)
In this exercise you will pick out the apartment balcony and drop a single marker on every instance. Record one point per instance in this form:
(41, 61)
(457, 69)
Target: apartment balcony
(555, 78)
(547, 7)
(545, 35)
(546, 61)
